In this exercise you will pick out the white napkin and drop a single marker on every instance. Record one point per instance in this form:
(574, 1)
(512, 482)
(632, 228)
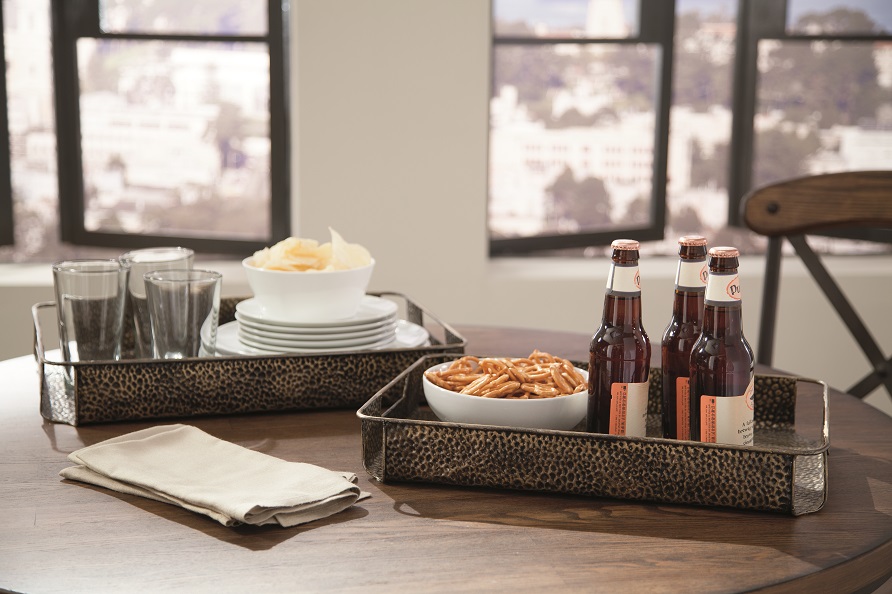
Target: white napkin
(185, 466)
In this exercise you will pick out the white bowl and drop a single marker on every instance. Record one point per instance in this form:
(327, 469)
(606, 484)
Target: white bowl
(308, 296)
(560, 412)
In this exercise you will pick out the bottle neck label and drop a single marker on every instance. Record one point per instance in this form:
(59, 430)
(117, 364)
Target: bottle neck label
(624, 280)
(723, 289)
(691, 275)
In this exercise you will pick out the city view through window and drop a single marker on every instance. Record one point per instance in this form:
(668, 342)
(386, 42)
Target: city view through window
(174, 134)
(572, 128)
(173, 130)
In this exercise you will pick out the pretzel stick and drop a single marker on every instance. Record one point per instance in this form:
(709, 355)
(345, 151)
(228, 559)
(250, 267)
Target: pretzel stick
(540, 390)
(503, 390)
(437, 380)
(559, 380)
(476, 385)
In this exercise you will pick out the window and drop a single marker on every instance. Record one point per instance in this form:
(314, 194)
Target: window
(812, 92)
(578, 122)
(153, 122)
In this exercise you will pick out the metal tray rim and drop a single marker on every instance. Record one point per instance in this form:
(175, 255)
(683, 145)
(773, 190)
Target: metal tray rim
(40, 349)
(824, 446)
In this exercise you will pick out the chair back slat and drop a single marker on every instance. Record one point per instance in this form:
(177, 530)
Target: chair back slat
(821, 203)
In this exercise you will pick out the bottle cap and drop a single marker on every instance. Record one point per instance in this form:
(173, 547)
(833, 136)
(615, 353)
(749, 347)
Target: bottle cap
(724, 252)
(692, 240)
(624, 244)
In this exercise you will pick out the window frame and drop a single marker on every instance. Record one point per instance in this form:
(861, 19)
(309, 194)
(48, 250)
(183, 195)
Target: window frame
(7, 227)
(656, 27)
(76, 19)
(763, 20)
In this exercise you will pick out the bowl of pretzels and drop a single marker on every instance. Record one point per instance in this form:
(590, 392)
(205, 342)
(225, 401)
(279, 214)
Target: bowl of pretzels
(536, 392)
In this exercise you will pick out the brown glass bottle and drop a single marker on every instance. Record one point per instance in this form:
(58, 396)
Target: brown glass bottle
(681, 333)
(722, 403)
(619, 355)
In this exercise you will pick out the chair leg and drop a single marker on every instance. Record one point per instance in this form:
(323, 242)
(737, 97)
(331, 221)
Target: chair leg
(880, 376)
(853, 321)
(765, 348)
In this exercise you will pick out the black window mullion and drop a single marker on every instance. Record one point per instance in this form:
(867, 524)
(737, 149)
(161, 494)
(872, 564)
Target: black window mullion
(7, 235)
(510, 40)
(76, 19)
(656, 27)
(67, 15)
(525, 245)
(279, 123)
(660, 25)
(756, 20)
(180, 37)
(848, 37)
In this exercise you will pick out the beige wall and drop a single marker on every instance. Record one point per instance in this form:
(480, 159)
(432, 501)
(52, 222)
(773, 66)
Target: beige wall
(390, 148)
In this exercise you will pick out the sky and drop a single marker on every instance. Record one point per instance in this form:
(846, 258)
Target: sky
(562, 13)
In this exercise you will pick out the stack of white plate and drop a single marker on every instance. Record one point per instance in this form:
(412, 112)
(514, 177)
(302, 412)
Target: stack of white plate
(375, 326)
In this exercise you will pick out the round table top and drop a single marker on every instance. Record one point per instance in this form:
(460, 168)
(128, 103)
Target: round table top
(65, 536)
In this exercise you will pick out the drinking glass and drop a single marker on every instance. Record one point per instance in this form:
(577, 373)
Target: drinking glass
(184, 310)
(140, 262)
(90, 296)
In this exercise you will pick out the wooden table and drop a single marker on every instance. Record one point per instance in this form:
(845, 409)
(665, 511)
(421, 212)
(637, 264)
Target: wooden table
(58, 536)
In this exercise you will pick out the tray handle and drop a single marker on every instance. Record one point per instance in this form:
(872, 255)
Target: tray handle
(39, 349)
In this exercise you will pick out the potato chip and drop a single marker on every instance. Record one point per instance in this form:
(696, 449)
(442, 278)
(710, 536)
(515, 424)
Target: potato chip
(346, 256)
(296, 254)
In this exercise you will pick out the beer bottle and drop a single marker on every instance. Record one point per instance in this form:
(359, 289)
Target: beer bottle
(722, 401)
(681, 333)
(619, 355)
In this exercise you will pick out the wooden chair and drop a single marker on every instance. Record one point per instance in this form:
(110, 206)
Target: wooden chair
(819, 204)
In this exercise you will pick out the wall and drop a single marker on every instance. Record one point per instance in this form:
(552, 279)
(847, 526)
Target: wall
(390, 148)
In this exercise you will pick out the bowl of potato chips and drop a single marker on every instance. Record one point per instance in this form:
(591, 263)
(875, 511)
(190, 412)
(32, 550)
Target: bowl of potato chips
(300, 280)
(536, 392)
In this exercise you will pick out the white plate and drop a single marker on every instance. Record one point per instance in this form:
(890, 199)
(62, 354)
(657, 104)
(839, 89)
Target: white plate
(322, 349)
(408, 335)
(369, 335)
(273, 331)
(249, 337)
(372, 309)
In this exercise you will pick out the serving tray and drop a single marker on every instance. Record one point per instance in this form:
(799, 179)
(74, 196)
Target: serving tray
(785, 471)
(131, 389)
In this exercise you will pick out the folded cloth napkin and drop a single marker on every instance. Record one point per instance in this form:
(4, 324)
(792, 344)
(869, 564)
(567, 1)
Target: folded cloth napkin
(185, 466)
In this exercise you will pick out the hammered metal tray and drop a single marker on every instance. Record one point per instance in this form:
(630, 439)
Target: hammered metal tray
(785, 471)
(132, 389)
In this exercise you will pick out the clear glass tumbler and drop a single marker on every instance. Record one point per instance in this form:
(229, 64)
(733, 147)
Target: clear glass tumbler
(184, 310)
(140, 262)
(90, 297)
